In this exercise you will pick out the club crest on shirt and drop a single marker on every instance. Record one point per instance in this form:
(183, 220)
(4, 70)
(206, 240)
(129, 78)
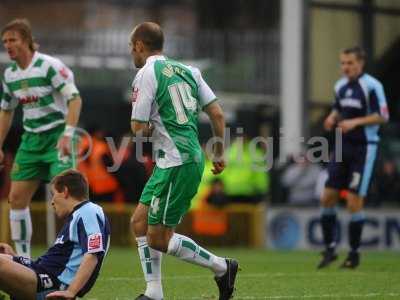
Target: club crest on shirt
(95, 242)
(24, 85)
(135, 92)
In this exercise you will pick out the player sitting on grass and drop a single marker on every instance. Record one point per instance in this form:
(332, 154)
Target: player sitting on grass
(71, 266)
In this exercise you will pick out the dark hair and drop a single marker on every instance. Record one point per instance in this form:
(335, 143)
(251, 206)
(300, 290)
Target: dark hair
(74, 181)
(357, 51)
(150, 34)
(23, 27)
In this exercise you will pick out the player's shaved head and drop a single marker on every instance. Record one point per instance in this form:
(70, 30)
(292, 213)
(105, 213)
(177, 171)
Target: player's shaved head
(357, 51)
(150, 34)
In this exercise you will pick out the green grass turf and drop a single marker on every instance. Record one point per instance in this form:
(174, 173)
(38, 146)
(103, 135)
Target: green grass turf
(264, 275)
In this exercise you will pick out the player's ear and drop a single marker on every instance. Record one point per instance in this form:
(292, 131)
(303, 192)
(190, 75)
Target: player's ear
(140, 47)
(66, 192)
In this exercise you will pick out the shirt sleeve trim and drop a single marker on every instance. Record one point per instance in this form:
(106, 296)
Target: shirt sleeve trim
(140, 121)
(212, 101)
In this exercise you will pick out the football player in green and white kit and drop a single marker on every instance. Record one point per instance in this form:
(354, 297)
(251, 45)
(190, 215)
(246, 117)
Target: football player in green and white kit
(51, 104)
(167, 96)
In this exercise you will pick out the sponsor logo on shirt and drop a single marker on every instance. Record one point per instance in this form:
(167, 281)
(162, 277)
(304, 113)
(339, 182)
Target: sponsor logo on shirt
(59, 240)
(28, 100)
(95, 242)
(135, 92)
(349, 93)
(350, 102)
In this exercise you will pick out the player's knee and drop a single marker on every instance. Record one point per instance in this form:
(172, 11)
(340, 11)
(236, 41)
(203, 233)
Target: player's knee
(17, 200)
(3, 261)
(157, 242)
(355, 202)
(138, 225)
(328, 199)
(355, 205)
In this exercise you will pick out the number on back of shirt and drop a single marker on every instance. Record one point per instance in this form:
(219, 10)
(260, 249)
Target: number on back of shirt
(181, 96)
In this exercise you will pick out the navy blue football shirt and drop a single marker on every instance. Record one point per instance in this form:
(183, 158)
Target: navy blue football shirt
(359, 98)
(86, 230)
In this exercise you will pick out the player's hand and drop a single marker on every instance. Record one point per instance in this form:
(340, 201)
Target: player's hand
(61, 295)
(329, 123)
(219, 166)
(7, 249)
(347, 125)
(64, 145)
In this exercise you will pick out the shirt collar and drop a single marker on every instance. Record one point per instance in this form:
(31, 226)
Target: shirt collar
(34, 57)
(78, 206)
(154, 58)
(357, 78)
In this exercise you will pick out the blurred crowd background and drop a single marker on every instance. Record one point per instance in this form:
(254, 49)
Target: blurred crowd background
(237, 44)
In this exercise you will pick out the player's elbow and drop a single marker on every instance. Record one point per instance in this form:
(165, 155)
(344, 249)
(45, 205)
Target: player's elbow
(136, 127)
(382, 119)
(214, 111)
(75, 103)
(92, 258)
(217, 116)
(133, 128)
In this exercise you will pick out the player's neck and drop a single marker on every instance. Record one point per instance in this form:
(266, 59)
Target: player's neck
(75, 204)
(355, 77)
(153, 53)
(25, 59)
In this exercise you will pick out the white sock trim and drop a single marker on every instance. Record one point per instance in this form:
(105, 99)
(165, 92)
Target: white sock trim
(19, 214)
(141, 240)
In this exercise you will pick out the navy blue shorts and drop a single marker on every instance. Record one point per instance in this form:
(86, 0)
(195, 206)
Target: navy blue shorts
(354, 172)
(45, 282)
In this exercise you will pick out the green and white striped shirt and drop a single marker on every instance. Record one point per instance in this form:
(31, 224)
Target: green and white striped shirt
(170, 95)
(43, 89)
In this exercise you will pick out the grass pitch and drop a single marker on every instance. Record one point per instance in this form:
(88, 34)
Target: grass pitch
(264, 275)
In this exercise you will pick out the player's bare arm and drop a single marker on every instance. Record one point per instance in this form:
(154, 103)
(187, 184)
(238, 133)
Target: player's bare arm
(6, 117)
(89, 263)
(141, 128)
(72, 118)
(331, 120)
(216, 115)
(350, 124)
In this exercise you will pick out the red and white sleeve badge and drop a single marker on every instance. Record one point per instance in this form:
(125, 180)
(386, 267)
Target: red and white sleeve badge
(64, 73)
(95, 243)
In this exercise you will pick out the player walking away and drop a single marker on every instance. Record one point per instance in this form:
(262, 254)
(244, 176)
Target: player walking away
(167, 96)
(45, 88)
(70, 267)
(359, 108)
